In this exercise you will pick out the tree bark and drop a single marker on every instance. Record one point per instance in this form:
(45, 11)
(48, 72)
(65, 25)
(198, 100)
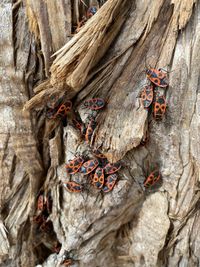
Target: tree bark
(42, 56)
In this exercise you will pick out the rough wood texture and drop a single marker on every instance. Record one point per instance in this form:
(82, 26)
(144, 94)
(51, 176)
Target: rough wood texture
(128, 226)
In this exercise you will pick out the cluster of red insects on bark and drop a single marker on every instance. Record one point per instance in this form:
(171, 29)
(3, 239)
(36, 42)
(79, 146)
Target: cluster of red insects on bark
(151, 100)
(101, 174)
(150, 95)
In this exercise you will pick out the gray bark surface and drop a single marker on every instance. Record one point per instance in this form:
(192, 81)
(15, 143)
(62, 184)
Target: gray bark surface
(39, 57)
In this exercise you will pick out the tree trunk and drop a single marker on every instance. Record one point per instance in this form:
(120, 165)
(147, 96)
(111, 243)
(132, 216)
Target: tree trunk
(106, 58)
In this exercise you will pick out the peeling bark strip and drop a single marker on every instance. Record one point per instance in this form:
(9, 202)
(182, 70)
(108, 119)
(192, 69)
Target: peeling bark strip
(75, 60)
(83, 52)
(127, 226)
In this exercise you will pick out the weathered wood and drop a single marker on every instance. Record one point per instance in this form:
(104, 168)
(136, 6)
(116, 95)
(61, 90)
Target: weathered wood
(75, 60)
(128, 226)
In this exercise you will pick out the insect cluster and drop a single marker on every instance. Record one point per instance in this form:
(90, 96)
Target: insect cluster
(150, 95)
(101, 174)
(99, 171)
(152, 100)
